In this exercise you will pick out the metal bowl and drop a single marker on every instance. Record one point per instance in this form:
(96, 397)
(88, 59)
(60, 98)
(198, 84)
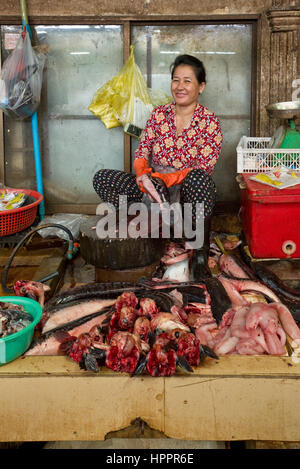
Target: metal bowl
(284, 110)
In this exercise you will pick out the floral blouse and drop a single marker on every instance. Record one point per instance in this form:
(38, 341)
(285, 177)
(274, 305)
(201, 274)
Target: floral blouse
(197, 147)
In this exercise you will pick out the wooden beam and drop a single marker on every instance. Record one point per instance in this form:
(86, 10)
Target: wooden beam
(2, 159)
(261, 395)
(127, 138)
(85, 209)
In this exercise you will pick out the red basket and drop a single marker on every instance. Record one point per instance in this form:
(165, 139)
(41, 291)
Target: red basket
(18, 219)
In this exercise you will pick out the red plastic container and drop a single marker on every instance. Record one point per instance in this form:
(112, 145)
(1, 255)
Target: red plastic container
(271, 220)
(18, 219)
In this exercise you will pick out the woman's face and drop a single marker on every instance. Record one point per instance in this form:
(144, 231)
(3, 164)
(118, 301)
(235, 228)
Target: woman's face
(185, 87)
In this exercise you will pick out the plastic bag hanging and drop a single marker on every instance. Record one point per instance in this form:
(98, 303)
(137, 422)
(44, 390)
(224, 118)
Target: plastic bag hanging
(124, 100)
(21, 79)
(158, 97)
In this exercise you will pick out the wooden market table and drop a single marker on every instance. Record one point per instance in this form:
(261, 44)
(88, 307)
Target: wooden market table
(235, 398)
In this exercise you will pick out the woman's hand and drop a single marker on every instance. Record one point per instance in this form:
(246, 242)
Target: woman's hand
(170, 179)
(146, 186)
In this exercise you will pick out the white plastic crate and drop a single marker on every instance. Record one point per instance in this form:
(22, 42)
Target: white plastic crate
(254, 156)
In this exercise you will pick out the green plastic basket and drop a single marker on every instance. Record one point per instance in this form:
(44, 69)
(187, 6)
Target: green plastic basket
(14, 345)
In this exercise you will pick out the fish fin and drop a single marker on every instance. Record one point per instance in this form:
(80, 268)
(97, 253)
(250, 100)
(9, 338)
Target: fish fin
(99, 354)
(152, 337)
(140, 366)
(66, 347)
(66, 341)
(89, 363)
(206, 351)
(183, 363)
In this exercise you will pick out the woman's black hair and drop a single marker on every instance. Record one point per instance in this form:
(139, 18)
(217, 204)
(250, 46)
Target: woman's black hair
(193, 62)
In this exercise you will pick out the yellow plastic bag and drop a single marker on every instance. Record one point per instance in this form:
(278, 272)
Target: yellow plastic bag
(101, 106)
(158, 97)
(125, 99)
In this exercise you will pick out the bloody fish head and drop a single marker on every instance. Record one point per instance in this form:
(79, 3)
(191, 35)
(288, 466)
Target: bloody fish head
(142, 328)
(175, 335)
(30, 289)
(123, 354)
(80, 346)
(124, 341)
(127, 318)
(148, 307)
(97, 335)
(116, 361)
(160, 362)
(162, 358)
(126, 299)
(188, 346)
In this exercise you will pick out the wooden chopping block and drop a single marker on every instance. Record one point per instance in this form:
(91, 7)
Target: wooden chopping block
(125, 275)
(118, 253)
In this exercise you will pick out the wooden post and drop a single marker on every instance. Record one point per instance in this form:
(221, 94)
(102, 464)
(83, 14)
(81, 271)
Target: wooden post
(2, 159)
(284, 53)
(127, 138)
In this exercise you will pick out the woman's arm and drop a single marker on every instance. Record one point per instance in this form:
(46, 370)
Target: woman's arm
(144, 150)
(209, 151)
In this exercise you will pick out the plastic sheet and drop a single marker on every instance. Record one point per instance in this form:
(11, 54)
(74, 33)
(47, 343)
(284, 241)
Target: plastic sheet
(69, 220)
(21, 80)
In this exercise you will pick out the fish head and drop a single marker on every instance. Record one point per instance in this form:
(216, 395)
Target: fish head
(127, 317)
(31, 289)
(142, 327)
(124, 341)
(161, 189)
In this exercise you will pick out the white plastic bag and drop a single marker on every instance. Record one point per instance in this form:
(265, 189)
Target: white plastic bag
(71, 221)
(21, 79)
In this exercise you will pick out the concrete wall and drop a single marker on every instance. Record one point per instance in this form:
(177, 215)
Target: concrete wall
(278, 56)
(108, 8)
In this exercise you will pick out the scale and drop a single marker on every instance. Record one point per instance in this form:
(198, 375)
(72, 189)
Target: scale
(287, 135)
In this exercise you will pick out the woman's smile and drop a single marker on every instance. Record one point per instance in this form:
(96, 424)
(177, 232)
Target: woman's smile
(185, 87)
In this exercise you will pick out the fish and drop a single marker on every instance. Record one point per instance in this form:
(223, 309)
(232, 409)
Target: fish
(76, 311)
(268, 278)
(166, 322)
(234, 267)
(255, 329)
(57, 341)
(124, 352)
(13, 318)
(31, 289)
(178, 270)
(156, 189)
(162, 359)
(92, 290)
(235, 297)
(287, 321)
(192, 293)
(184, 287)
(163, 299)
(235, 287)
(220, 300)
